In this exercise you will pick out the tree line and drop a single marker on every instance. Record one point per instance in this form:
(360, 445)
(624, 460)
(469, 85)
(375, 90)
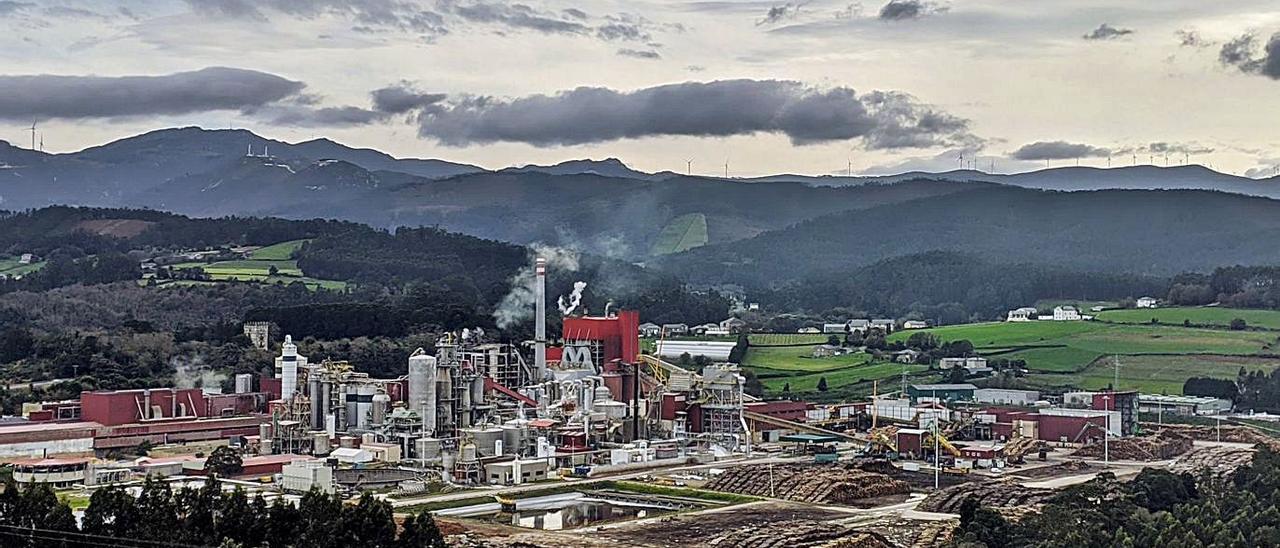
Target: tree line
(1156, 509)
(32, 516)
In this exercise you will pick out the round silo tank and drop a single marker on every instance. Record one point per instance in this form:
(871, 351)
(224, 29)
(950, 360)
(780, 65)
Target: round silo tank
(428, 448)
(264, 431)
(320, 443)
(422, 387)
(513, 438)
(486, 439)
(602, 393)
(364, 405)
(381, 402)
(469, 452)
(612, 409)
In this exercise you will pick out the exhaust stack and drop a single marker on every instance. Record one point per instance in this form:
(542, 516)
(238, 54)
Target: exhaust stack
(540, 320)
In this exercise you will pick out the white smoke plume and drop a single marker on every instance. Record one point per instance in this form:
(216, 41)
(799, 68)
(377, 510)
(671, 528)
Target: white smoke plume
(575, 299)
(518, 304)
(193, 374)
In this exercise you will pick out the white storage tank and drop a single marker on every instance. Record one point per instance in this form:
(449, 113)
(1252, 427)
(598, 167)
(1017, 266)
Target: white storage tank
(485, 439)
(422, 387)
(320, 443)
(427, 448)
(381, 402)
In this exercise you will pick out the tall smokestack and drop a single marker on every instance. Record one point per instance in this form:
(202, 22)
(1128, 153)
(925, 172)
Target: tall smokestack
(540, 320)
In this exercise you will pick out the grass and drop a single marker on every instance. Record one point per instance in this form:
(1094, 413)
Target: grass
(681, 234)
(798, 358)
(257, 268)
(282, 251)
(1199, 316)
(1071, 346)
(1155, 374)
(9, 266)
(783, 339)
(839, 378)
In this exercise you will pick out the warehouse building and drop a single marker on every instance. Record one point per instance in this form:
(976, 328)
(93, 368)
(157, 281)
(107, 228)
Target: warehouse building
(943, 392)
(1003, 396)
(1182, 405)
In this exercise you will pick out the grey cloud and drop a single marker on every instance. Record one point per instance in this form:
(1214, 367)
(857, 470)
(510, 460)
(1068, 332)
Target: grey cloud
(370, 14)
(1242, 53)
(1058, 150)
(1189, 38)
(402, 97)
(1107, 32)
(513, 15)
(321, 117)
(639, 53)
(8, 7)
(805, 114)
(900, 10)
(575, 13)
(1161, 147)
(216, 88)
(778, 13)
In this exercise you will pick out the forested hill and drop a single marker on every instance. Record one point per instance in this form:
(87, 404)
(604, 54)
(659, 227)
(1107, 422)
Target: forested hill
(455, 280)
(1146, 232)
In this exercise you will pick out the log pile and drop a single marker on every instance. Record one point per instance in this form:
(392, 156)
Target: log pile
(1216, 462)
(1229, 433)
(808, 534)
(818, 484)
(1163, 445)
(993, 494)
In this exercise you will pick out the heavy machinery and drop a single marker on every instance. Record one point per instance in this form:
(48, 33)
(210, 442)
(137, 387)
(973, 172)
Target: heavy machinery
(882, 443)
(1016, 450)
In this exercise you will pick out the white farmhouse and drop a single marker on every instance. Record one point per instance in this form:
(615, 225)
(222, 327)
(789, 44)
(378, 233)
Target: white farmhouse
(1148, 302)
(1024, 314)
(1066, 313)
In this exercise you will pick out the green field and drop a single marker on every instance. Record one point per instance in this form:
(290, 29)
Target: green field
(282, 251)
(1070, 346)
(1206, 316)
(781, 339)
(1155, 374)
(258, 268)
(798, 358)
(841, 378)
(9, 266)
(681, 234)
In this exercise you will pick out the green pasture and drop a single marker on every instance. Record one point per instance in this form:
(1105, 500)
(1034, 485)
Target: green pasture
(1205, 316)
(681, 234)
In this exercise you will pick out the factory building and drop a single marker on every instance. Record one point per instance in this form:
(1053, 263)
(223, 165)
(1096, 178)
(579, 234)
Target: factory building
(1182, 405)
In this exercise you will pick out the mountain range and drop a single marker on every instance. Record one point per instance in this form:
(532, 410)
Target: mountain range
(1143, 219)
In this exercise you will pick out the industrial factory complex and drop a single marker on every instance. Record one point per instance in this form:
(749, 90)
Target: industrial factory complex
(591, 408)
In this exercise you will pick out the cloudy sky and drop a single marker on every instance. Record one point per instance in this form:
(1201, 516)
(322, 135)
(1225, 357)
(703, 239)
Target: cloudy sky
(802, 86)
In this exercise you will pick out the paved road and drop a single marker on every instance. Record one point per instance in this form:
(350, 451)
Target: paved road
(486, 492)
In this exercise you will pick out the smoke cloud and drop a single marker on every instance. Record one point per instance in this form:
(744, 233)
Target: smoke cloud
(518, 304)
(575, 298)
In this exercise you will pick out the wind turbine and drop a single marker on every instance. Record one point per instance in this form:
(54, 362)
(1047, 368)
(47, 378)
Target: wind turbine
(688, 166)
(726, 168)
(33, 135)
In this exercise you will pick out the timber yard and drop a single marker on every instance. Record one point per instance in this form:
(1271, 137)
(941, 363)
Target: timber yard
(591, 441)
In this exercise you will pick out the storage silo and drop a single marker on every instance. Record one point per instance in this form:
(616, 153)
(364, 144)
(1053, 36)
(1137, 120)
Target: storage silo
(380, 404)
(422, 387)
(364, 405)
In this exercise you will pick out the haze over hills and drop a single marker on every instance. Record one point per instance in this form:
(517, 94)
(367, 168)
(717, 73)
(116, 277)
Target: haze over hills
(606, 207)
(1139, 231)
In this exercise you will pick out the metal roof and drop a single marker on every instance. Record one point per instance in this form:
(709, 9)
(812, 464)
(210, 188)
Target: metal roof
(809, 438)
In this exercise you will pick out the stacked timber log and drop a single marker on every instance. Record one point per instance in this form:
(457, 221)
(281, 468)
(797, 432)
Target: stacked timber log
(807, 534)
(1163, 445)
(819, 484)
(1227, 432)
(1215, 462)
(993, 494)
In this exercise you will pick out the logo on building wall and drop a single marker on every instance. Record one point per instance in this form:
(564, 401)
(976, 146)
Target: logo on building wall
(579, 356)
